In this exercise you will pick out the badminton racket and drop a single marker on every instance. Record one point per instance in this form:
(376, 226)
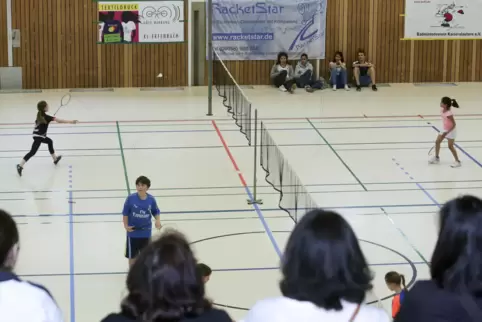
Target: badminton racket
(63, 102)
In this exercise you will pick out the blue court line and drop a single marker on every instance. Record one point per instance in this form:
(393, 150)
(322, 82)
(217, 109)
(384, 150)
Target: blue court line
(238, 187)
(71, 246)
(234, 270)
(225, 211)
(248, 191)
(242, 146)
(460, 148)
(242, 193)
(212, 147)
(210, 130)
(418, 184)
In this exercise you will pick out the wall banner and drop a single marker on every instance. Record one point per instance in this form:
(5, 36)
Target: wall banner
(257, 30)
(126, 22)
(444, 19)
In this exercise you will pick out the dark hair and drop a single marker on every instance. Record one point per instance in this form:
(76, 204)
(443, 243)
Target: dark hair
(361, 51)
(8, 236)
(143, 180)
(456, 260)
(449, 102)
(203, 270)
(163, 283)
(341, 55)
(129, 16)
(41, 112)
(281, 54)
(323, 262)
(304, 55)
(395, 278)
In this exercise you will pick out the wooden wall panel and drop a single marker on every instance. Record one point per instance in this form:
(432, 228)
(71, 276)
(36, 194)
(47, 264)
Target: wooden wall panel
(378, 27)
(59, 50)
(3, 35)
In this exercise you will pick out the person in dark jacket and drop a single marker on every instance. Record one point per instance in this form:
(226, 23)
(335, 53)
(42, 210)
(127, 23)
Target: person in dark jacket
(454, 292)
(164, 286)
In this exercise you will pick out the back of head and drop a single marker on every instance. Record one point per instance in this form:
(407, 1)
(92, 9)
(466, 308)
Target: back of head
(9, 239)
(323, 262)
(449, 102)
(163, 283)
(456, 260)
(41, 106)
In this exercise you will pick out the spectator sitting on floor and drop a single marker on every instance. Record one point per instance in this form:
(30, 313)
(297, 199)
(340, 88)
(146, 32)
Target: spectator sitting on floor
(338, 74)
(325, 276)
(204, 271)
(364, 72)
(282, 74)
(164, 285)
(304, 75)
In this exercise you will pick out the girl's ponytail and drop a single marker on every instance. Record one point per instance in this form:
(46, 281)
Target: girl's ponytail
(41, 112)
(454, 103)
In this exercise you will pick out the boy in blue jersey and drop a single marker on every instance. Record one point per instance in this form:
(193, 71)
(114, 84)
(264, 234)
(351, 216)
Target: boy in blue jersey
(138, 210)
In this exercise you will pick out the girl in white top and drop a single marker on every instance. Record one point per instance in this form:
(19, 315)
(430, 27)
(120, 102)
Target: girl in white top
(325, 276)
(449, 131)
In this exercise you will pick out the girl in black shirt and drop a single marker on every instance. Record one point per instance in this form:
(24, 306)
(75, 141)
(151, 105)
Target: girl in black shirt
(40, 134)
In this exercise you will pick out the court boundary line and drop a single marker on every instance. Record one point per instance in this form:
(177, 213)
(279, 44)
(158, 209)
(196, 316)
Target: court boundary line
(248, 191)
(361, 117)
(71, 247)
(456, 145)
(337, 155)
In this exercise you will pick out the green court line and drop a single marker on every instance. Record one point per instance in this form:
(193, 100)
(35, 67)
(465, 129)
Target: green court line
(337, 155)
(123, 157)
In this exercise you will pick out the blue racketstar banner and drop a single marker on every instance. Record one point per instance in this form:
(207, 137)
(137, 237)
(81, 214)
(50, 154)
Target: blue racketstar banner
(259, 30)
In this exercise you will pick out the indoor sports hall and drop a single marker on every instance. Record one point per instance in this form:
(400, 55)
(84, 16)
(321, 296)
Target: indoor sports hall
(234, 161)
(368, 161)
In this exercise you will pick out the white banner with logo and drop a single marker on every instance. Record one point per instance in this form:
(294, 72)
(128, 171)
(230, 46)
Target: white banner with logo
(254, 30)
(444, 19)
(128, 22)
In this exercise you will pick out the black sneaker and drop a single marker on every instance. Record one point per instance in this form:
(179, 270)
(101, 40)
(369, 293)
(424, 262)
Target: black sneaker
(58, 159)
(374, 88)
(19, 170)
(358, 88)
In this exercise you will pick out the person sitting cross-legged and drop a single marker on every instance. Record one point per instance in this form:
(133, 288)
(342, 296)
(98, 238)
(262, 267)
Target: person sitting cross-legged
(364, 72)
(304, 75)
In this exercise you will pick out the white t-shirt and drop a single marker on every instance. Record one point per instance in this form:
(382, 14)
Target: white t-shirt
(283, 309)
(129, 27)
(26, 302)
(101, 29)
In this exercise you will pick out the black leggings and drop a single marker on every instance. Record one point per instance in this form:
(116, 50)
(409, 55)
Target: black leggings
(280, 79)
(37, 140)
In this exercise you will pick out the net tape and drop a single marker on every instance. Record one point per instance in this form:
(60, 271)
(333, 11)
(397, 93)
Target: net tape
(234, 99)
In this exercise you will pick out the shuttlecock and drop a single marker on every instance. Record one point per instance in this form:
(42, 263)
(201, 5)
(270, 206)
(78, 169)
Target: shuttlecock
(160, 75)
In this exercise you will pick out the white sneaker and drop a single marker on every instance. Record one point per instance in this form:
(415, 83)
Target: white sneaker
(456, 164)
(334, 87)
(282, 88)
(347, 88)
(434, 160)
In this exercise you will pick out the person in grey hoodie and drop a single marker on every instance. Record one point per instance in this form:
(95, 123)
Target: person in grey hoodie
(282, 75)
(304, 75)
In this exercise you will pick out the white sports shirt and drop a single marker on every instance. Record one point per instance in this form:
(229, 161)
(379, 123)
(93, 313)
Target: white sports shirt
(22, 301)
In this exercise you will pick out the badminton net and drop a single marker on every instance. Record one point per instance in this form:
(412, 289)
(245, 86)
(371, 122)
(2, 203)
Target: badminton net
(294, 198)
(233, 96)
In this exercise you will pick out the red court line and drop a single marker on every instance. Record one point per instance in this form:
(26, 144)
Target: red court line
(364, 116)
(228, 151)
